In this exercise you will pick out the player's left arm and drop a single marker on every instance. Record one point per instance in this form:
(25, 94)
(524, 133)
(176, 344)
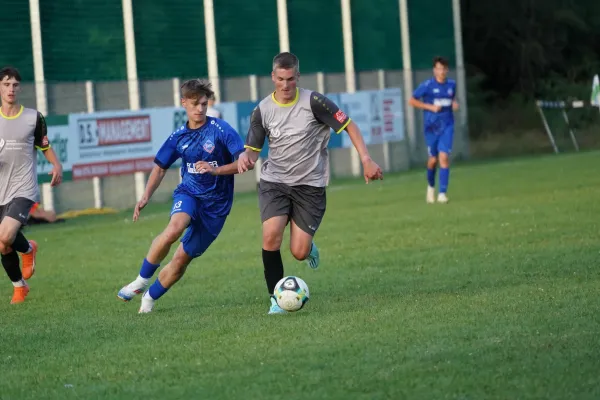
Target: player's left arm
(331, 115)
(42, 143)
(234, 145)
(454, 101)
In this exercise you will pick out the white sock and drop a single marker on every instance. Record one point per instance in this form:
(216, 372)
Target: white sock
(147, 296)
(141, 282)
(20, 283)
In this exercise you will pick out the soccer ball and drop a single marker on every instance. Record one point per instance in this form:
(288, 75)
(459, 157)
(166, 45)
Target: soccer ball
(291, 293)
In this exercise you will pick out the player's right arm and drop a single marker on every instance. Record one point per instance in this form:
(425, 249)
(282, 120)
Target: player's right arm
(165, 157)
(254, 142)
(419, 93)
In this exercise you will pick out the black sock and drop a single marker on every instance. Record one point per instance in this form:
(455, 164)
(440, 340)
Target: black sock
(21, 244)
(10, 262)
(273, 268)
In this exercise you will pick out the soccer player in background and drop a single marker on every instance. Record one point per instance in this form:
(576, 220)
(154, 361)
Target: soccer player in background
(212, 111)
(437, 97)
(22, 132)
(293, 180)
(201, 202)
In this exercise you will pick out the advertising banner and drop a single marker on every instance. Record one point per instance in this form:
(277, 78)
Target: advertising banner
(123, 142)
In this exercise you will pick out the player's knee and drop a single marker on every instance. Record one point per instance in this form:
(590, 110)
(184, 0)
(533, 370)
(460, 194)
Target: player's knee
(272, 240)
(171, 235)
(444, 160)
(300, 251)
(6, 239)
(4, 249)
(173, 232)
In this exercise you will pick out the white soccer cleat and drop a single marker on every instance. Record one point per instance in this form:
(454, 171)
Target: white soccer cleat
(147, 304)
(430, 195)
(442, 198)
(128, 292)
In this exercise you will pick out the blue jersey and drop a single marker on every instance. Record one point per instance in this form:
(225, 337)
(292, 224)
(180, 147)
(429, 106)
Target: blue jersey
(215, 142)
(441, 94)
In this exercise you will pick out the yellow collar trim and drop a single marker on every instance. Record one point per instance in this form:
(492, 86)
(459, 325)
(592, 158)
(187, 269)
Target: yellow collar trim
(287, 104)
(15, 117)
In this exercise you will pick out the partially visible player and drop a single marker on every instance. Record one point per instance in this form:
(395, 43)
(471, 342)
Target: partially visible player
(437, 97)
(201, 202)
(212, 111)
(39, 215)
(22, 132)
(292, 189)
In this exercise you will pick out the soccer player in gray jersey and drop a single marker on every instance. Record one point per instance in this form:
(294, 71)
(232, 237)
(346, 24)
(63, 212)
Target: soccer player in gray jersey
(22, 132)
(297, 123)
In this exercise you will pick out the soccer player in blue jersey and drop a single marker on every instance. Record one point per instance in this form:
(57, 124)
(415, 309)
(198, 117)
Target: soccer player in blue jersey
(437, 98)
(209, 149)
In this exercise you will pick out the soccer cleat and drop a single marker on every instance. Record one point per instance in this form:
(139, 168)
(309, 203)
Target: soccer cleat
(28, 260)
(275, 309)
(430, 195)
(147, 304)
(313, 257)
(442, 198)
(130, 291)
(19, 294)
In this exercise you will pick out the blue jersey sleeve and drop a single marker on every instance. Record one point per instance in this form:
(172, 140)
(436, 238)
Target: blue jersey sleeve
(421, 90)
(233, 141)
(168, 153)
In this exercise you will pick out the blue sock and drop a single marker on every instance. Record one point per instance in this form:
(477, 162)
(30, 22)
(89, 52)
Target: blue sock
(148, 269)
(431, 176)
(444, 178)
(157, 290)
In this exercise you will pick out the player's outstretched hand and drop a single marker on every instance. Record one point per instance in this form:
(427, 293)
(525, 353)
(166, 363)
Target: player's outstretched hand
(372, 171)
(203, 167)
(435, 108)
(138, 207)
(57, 174)
(244, 163)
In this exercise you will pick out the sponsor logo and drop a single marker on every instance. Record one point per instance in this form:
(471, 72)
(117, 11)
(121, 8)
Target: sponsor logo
(191, 168)
(340, 116)
(442, 102)
(114, 131)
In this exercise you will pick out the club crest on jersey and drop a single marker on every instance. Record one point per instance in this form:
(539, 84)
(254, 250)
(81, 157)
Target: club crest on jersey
(450, 92)
(208, 146)
(340, 116)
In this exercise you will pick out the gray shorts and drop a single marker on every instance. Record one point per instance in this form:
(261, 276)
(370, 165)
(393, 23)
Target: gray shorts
(18, 208)
(303, 204)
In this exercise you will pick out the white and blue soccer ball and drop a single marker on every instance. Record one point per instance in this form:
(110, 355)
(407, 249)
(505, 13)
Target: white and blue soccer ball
(291, 293)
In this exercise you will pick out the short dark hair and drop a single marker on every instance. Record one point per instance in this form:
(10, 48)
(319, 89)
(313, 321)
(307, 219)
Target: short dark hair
(441, 60)
(10, 72)
(196, 88)
(286, 60)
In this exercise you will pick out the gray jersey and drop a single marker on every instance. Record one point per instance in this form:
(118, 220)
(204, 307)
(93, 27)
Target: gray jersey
(298, 134)
(20, 137)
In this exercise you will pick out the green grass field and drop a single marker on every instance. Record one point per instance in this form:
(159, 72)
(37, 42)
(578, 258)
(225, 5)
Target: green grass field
(493, 296)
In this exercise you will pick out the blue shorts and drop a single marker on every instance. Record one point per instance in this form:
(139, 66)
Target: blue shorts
(440, 142)
(204, 227)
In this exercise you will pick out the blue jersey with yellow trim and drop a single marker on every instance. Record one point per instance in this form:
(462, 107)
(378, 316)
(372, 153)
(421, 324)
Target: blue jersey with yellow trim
(215, 142)
(442, 94)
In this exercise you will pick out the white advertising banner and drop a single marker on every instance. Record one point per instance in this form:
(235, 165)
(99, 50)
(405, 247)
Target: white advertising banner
(124, 142)
(378, 113)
